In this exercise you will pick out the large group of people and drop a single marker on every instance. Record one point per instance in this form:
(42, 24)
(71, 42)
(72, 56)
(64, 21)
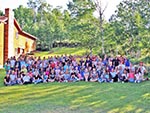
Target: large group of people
(34, 70)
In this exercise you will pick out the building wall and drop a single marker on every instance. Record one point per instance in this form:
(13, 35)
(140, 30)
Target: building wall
(1, 44)
(22, 43)
(26, 43)
(16, 38)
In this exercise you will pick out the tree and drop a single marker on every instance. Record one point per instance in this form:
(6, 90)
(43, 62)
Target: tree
(127, 30)
(24, 16)
(130, 24)
(35, 5)
(100, 10)
(83, 23)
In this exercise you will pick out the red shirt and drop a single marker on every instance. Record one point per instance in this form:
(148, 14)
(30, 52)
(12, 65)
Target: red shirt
(53, 65)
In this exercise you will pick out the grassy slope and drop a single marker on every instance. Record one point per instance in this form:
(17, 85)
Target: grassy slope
(62, 51)
(74, 97)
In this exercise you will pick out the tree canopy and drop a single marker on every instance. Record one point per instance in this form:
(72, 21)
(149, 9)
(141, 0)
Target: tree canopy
(127, 30)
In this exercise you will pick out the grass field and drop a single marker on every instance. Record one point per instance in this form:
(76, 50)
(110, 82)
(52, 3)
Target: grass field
(62, 51)
(79, 97)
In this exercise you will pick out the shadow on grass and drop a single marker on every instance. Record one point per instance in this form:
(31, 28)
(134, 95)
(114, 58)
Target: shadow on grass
(75, 97)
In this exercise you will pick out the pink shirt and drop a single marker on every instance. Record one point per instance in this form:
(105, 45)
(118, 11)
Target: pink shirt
(30, 74)
(131, 75)
(47, 72)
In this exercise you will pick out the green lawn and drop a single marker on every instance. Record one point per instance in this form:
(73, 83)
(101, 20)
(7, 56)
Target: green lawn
(80, 97)
(62, 51)
(67, 51)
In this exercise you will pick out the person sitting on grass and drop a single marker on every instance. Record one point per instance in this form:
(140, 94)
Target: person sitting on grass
(120, 69)
(13, 78)
(105, 76)
(37, 79)
(61, 77)
(45, 77)
(66, 76)
(26, 79)
(94, 75)
(19, 79)
(131, 76)
(114, 75)
(143, 70)
(30, 74)
(51, 77)
(7, 80)
(86, 74)
(74, 78)
(124, 76)
(138, 76)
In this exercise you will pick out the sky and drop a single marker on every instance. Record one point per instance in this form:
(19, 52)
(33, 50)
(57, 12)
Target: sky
(111, 5)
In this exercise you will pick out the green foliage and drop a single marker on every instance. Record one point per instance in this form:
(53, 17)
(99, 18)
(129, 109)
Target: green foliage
(131, 25)
(84, 26)
(24, 17)
(128, 29)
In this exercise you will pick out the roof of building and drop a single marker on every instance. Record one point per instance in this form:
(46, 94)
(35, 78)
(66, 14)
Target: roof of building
(3, 19)
(21, 32)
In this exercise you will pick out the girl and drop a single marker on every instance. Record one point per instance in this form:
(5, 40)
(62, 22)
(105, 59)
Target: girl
(74, 78)
(7, 80)
(51, 77)
(114, 75)
(77, 73)
(86, 74)
(131, 77)
(124, 76)
(45, 77)
(61, 77)
(7, 66)
(19, 79)
(66, 76)
(94, 75)
(105, 77)
(138, 76)
(57, 70)
(37, 79)
(13, 78)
